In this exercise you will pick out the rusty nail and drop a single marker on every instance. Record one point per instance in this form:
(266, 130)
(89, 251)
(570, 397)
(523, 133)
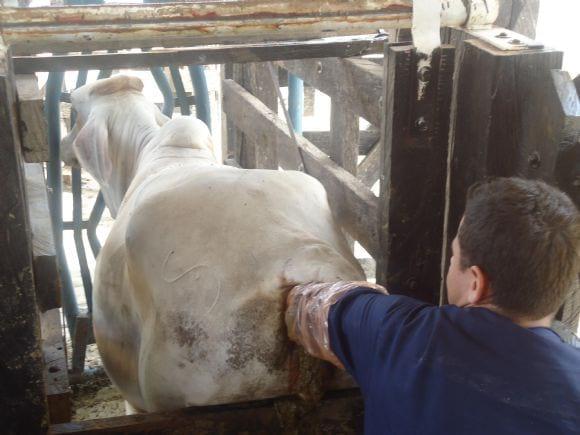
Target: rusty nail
(421, 124)
(425, 74)
(534, 160)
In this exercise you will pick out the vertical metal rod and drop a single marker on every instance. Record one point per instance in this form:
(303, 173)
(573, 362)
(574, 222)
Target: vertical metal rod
(180, 90)
(165, 88)
(78, 236)
(296, 101)
(54, 176)
(202, 106)
(78, 216)
(94, 220)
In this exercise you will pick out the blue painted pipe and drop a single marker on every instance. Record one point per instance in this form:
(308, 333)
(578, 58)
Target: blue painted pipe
(54, 178)
(180, 90)
(296, 101)
(93, 222)
(165, 88)
(202, 107)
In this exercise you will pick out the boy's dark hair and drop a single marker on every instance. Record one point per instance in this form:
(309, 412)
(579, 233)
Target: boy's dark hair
(525, 235)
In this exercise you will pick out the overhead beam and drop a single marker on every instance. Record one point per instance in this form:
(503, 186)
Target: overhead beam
(358, 83)
(353, 203)
(203, 55)
(69, 28)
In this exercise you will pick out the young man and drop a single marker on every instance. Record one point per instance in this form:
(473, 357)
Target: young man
(489, 362)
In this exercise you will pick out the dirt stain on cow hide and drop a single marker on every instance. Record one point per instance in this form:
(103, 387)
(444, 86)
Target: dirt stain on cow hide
(249, 339)
(190, 335)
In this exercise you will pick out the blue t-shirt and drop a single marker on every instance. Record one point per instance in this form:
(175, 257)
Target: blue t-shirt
(450, 370)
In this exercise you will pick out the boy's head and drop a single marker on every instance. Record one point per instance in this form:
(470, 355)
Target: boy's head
(517, 248)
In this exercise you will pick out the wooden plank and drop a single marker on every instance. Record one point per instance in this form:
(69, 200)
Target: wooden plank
(204, 55)
(353, 204)
(45, 262)
(506, 120)
(367, 139)
(337, 413)
(82, 336)
(357, 83)
(344, 136)
(58, 392)
(412, 201)
(22, 402)
(260, 153)
(370, 168)
(33, 129)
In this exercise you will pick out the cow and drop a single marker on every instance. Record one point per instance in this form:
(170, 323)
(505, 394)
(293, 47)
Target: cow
(188, 302)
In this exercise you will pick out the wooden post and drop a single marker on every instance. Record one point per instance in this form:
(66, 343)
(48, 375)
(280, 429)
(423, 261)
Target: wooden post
(344, 135)
(261, 153)
(232, 139)
(507, 120)
(412, 202)
(22, 402)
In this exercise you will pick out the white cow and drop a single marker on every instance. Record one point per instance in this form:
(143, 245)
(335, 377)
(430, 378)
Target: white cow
(189, 286)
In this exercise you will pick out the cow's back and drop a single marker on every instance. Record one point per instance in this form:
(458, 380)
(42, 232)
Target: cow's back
(210, 252)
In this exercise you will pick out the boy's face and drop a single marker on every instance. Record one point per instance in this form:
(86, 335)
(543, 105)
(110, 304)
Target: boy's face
(459, 280)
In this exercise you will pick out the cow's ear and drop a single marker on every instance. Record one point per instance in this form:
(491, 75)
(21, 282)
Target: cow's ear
(116, 84)
(91, 147)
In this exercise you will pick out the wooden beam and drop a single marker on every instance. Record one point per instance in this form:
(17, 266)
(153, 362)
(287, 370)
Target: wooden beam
(45, 262)
(344, 136)
(58, 392)
(369, 169)
(203, 55)
(357, 83)
(338, 412)
(260, 154)
(353, 203)
(367, 139)
(412, 201)
(22, 402)
(520, 16)
(506, 118)
(33, 129)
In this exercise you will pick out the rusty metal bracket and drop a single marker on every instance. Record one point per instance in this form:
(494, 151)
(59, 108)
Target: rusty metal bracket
(506, 40)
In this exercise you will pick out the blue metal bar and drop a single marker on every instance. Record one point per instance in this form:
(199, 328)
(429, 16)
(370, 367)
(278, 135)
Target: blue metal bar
(93, 222)
(54, 176)
(296, 101)
(78, 237)
(180, 90)
(202, 107)
(165, 88)
(78, 217)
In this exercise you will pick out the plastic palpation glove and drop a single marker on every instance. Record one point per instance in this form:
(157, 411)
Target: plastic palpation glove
(308, 306)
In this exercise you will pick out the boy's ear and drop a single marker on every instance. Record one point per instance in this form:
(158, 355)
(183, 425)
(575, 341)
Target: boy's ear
(480, 291)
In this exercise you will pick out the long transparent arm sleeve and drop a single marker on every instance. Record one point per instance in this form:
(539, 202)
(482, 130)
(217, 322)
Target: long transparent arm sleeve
(307, 314)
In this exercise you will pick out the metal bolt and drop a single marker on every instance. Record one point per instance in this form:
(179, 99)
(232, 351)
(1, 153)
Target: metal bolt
(501, 35)
(534, 160)
(424, 74)
(421, 124)
(515, 42)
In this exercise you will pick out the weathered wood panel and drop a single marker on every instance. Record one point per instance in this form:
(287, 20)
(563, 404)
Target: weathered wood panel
(22, 402)
(204, 55)
(353, 203)
(416, 138)
(45, 262)
(344, 136)
(369, 170)
(337, 413)
(506, 120)
(33, 130)
(367, 139)
(357, 83)
(58, 392)
(258, 81)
